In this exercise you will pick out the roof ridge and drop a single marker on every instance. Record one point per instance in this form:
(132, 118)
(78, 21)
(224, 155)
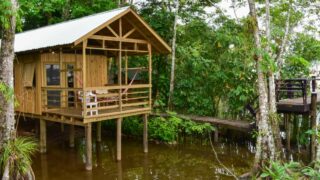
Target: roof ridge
(63, 22)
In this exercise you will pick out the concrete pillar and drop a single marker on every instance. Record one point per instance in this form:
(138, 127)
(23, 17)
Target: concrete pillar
(88, 147)
(145, 133)
(43, 136)
(119, 123)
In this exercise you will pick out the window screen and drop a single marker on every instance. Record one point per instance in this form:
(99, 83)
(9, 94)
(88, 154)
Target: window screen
(53, 79)
(53, 74)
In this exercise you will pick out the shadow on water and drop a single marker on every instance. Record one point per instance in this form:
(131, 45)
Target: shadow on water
(188, 161)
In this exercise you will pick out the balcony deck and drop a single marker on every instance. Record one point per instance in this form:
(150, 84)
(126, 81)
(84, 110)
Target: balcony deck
(295, 105)
(102, 114)
(90, 105)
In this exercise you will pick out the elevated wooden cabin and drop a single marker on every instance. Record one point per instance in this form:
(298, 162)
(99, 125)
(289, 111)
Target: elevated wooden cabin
(79, 72)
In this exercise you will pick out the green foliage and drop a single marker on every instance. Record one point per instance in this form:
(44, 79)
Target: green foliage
(165, 130)
(168, 129)
(38, 13)
(162, 129)
(288, 171)
(5, 13)
(18, 153)
(8, 93)
(132, 126)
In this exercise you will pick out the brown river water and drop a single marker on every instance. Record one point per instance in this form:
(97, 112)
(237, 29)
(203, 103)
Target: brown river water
(187, 161)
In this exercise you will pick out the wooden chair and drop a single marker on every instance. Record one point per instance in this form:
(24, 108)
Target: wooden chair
(91, 102)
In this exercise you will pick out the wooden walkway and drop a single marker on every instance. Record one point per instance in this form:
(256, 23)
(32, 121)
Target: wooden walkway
(240, 125)
(295, 105)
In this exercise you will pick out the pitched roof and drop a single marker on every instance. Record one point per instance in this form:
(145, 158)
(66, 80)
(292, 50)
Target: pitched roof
(69, 32)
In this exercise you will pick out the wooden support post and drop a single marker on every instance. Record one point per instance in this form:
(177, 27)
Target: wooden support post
(126, 74)
(313, 118)
(36, 128)
(62, 127)
(288, 131)
(99, 132)
(216, 135)
(119, 123)
(150, 74)
(71, 136)
(88, 147)
(43, 136)
(145, 133)
(84, 64)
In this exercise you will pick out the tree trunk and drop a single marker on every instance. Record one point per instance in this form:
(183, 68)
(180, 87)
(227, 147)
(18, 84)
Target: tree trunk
(173, 60)
(7, 121)
(272, 91)
(279, 59)
(265, 137)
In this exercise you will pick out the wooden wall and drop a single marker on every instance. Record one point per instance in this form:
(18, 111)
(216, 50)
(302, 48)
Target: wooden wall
(96, 67)
(28, 98)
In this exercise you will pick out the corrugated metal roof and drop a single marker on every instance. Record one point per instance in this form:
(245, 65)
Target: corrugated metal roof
(62, 33)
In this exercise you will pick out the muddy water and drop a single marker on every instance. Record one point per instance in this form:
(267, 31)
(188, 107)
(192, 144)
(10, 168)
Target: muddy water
(162, 162)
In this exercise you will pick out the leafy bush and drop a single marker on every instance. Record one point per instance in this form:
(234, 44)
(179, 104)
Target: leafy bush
(160, 128)
(168, 129)
(291, 170)
(17, 153)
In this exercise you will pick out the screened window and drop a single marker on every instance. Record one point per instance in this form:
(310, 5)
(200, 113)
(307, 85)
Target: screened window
(53, 74)
(53, 79)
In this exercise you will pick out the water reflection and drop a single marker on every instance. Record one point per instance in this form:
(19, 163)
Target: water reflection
(162, 162)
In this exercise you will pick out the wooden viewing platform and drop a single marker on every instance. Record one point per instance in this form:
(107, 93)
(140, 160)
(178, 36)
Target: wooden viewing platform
(294, 96)
(295, 105)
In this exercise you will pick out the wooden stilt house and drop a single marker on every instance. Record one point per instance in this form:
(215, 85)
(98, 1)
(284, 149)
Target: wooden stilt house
(78, 72)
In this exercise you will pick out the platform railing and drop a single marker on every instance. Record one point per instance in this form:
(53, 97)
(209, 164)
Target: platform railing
(295, 88)
(117, 99)
(98, 101)
(54, 98)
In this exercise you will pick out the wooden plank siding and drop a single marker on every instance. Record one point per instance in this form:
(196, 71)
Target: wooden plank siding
(96, 68)
(28, 98)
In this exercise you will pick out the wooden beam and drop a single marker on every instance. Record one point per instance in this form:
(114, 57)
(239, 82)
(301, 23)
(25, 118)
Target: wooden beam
(99, 132)
(129, 33)
(71, 136)
(101, 27)
(120, 27)
(145, 133)
(118, 115)
(146, 37)
(119, 123)
(43, 136)
(120, 76)
(112, 31)
(88, 147)
(150, 74)
(84, 63)
(126, 73)
(109, 38)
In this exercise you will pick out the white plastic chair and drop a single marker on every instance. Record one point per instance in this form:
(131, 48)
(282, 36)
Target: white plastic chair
(91, 102)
